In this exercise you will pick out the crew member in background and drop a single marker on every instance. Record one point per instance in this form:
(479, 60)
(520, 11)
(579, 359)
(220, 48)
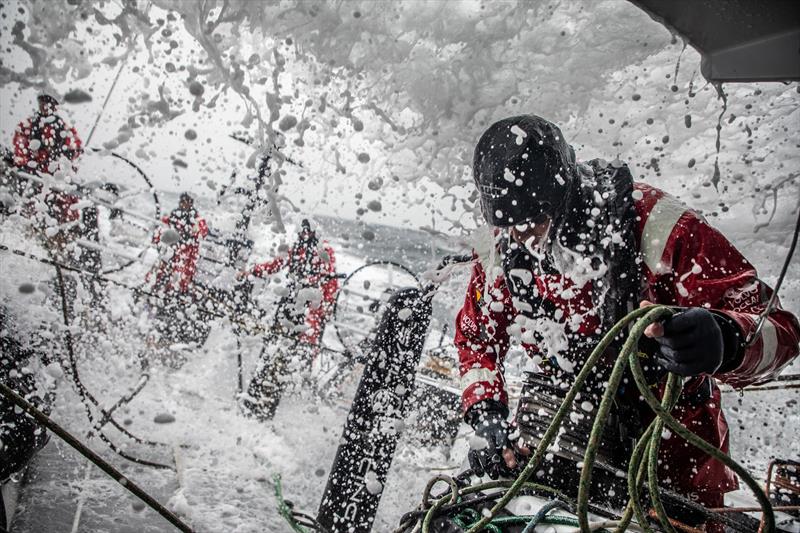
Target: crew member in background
(312, 284)
(301, 314)
(42, 140)
(575, 247)
(40, 144)
(181, 239)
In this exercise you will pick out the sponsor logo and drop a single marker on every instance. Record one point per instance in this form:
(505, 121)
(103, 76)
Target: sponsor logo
(468, 324)
(744, 298)
(493, 191)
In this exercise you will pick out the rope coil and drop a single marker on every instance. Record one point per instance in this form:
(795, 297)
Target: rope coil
(644, 460)
(426, 495)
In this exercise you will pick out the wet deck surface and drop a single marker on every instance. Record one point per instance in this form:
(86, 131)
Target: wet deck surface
(59, 481)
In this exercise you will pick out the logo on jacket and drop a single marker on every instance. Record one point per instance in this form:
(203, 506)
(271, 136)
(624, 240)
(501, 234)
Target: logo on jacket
(468, 324)
(744, 298)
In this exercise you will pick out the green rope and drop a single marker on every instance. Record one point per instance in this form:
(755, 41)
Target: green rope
(541, 514)
(550, 520)
(499, 484)
(603, 412)
(651, 315)
(492, 527)
(635, 477)
(555, 425)
(698, 442)
(465, 516)
(671, 394)
(284, 509)
(644, 459)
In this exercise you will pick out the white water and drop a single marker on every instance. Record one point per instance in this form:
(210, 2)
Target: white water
(398, 97)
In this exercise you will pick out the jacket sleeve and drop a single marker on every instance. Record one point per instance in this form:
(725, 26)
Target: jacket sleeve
(482, 341)
(76, 142)
(331, 286)
(202, 228)
(72, 147)
(22, 152)
(708, 271)
(268, 267)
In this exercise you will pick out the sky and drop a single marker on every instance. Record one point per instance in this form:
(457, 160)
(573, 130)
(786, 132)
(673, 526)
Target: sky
(382, 106)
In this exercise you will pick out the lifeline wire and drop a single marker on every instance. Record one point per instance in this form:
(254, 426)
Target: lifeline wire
(99, 277)
(86, 396)
(251, 329)
(773, 299)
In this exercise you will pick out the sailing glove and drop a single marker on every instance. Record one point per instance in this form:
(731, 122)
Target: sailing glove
(697, 341)
(488, 419)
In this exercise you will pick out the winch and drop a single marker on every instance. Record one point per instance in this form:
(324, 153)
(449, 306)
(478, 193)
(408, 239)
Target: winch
(540, 399)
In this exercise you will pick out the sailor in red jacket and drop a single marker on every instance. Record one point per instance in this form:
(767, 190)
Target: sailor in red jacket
(302, 310)
(187, 230)
(575, 247)
(40, 143)
(42, 140)
(313, 283)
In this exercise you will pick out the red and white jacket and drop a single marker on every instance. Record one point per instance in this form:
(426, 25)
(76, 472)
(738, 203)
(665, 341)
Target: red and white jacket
(323, 275)
(41, 140)
(685, 262)
(182, 263)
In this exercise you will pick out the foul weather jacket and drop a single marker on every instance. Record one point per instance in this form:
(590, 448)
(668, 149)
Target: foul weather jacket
(322, 275)
(182, 264)
(685, 262)
(39, 142)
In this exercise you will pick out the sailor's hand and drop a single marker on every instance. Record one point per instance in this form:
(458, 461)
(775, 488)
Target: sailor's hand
(491, 451)
(690, 342)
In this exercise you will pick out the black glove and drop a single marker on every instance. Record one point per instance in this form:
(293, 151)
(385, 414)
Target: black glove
(488, 419)
(697, 341)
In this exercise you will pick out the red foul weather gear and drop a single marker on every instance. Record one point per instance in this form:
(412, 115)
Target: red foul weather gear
(182, 264)
(39, 143)
(684, 262)
(320, 274)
